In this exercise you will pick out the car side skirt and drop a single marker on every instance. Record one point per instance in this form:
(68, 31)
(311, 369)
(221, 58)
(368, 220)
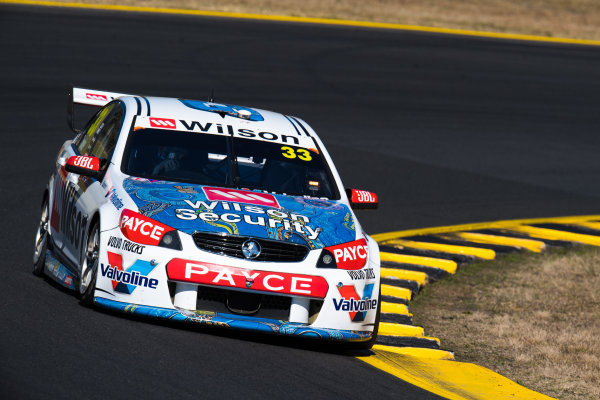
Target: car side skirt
(59, 272)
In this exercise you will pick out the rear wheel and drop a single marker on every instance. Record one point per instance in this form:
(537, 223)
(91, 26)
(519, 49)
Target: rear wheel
(41, 241)
(89, 269)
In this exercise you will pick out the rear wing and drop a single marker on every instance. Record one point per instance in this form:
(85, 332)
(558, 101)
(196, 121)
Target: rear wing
(88, 97)
(92, 97)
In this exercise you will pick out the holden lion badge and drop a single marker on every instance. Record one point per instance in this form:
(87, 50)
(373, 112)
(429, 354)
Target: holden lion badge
(251, 249)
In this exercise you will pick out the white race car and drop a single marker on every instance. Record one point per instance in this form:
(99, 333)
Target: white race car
(211, 214)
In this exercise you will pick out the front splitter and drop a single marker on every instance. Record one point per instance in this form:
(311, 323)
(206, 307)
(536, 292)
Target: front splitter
(233, 321)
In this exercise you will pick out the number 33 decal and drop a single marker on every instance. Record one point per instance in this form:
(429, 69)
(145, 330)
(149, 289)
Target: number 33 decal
(302, 154)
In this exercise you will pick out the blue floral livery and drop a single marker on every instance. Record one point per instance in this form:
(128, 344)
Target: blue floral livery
(315, 222)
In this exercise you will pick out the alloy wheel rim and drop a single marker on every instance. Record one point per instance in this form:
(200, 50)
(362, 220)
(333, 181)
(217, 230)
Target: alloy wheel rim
(91, 262)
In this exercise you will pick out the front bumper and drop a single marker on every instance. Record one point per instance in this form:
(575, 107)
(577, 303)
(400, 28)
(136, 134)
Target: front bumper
(297, 299)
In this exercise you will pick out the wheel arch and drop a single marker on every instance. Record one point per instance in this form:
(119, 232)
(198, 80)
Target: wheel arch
(374, 256)
(87, 296)
(95, 218)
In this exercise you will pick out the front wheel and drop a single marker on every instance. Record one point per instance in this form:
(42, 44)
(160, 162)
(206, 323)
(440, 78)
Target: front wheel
(369, 343)
(41, 241)
(89, 269)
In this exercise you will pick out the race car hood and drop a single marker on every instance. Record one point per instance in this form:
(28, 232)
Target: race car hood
(193, 208)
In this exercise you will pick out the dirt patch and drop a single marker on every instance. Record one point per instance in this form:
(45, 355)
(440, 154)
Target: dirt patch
(532, 318)
(557, 18)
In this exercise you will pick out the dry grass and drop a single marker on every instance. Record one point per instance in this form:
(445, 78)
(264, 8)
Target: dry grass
(534, 319)
(558, 18)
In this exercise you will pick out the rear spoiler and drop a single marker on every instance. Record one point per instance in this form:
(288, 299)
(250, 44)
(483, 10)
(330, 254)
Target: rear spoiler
(89, 97)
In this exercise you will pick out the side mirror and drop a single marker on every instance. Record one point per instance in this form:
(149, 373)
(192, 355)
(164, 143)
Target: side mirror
(362, 200)
(86, 166)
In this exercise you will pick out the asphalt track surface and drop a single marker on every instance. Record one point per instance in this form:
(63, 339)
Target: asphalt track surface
(446, 130)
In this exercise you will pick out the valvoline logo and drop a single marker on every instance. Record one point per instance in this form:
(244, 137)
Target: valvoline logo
(356, 306)
(126, 281)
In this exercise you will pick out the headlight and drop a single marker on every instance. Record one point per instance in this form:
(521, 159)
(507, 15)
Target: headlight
(171, 240)
(326, 260)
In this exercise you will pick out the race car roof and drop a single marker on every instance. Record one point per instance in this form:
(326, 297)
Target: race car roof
(206, 117)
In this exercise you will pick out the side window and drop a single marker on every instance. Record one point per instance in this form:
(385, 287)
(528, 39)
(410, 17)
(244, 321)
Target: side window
(94, 126)
(108, 133)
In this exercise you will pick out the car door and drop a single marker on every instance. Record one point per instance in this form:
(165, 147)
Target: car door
(82, 194)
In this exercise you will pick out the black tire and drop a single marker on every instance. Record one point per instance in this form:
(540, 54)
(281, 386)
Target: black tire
(41, 241)
(89, 269)
(369, 343)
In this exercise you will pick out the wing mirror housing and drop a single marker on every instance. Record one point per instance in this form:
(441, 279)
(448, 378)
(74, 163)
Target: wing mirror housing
(92, 167)
(362, 199)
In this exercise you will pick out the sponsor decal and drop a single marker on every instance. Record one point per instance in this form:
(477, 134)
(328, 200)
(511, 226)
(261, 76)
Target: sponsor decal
(272, 218)
(225, 109)
(167, 123)
(68, 280)
(115, 200)
(58, 193)
(107, 183)
(356, 306)
(91, 163)
(124, 244)
(227, 129)
(361, 274)
(351, 255)
(66, 218)
(262, 281)
(240, 196)
(96, 96)
(185, 189)
(141, 229)
(363, 196)
(127, 280)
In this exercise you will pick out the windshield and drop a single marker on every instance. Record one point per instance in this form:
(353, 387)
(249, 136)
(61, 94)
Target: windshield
(227, 161)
